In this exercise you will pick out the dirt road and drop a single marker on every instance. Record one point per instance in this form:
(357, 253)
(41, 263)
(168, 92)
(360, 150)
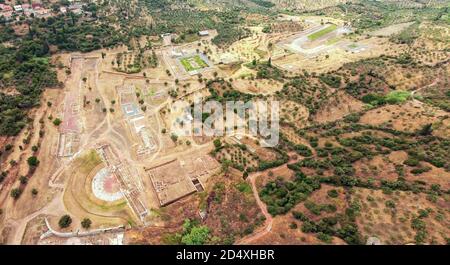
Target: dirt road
(269, 221)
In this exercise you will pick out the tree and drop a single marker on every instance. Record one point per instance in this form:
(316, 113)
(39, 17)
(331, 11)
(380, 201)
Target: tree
(65, 221)
(226, 166)
(217, 143)
(194, 234)
(86, 223)
(33, 161)
(34, 192)
(57, 122)
(23, 180)
(15, 193)
(333, 193)
(426, 130)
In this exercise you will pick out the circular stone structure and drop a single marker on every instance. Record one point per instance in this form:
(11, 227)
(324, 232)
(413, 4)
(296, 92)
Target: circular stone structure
(105, 186)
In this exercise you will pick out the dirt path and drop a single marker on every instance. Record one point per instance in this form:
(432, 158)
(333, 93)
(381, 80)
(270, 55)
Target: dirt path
(269, 220)
(20, 225)
(420, 88)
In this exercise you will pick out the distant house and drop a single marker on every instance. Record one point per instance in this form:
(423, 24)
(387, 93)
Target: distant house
(176, 54)
(63, 9)
(7, 15)
(76, 9)
(26, 6)
(42, 13)
(36, 6)
(28, 12)
(18, 8)
(203, 33)
(5, 8)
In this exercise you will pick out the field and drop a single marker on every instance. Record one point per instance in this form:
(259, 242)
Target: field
(391, 218)
(322, 32)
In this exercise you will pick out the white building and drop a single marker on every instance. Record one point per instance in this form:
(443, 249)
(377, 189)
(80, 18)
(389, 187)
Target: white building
(203, 33)
(18, 8)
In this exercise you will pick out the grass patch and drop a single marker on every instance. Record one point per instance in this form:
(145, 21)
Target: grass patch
(260, 53)
(393, 97)
(397, 96)
(193, 63)
(333, 40)
(89, 161)
(322, 32)
(244, 187)
(151, 92)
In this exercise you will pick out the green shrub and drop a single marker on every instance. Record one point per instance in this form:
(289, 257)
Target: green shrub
(65, 221)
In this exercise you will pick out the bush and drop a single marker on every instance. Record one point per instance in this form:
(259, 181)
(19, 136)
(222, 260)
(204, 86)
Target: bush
(390, 204)
(309, 227)
(57, 122)
(420, 170)
(217, 143)
(417, 224)
(33, 161)
(324, 237)
(65, 221)
(412, 162)
(86, 223)
(333, 193)
(15, 193)
(350, 234)
(23, 180)
(244, 187)
(299, 216)
(331, 80)
(303, 150)
(194, 234)
(426, 129)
